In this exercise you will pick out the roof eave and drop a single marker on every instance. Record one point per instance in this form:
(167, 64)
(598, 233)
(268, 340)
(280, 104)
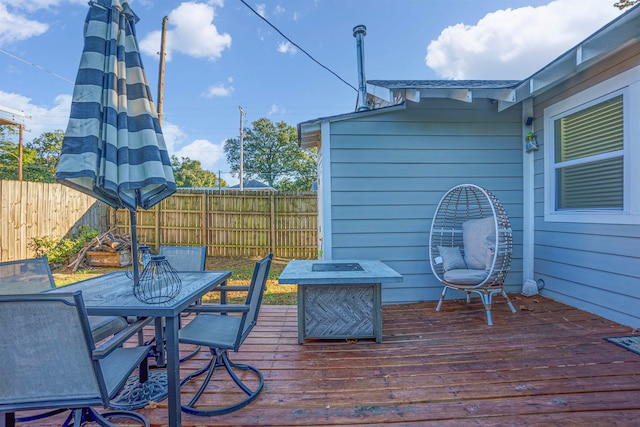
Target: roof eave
(310, 134)
(610, 39)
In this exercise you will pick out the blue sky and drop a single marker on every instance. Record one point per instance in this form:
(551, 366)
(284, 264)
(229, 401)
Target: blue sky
(222, 56)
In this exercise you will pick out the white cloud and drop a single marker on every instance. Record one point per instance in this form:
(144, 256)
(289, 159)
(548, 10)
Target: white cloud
(174, 136)
(514, 43)
(193, 33)
(204, 151)
(32, 5)
(211, 156)
(42, 118)
(218, 90)
(275, 109)
(15, 27)
(47, 119)
(261, 9)
(287, 47)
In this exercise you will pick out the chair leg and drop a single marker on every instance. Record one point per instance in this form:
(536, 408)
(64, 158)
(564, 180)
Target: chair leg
(9, 419)
(504, 294)
(80, 416)
(158, 353)
(220, 359)
(444, 291)
(37, 416)
(486, 301)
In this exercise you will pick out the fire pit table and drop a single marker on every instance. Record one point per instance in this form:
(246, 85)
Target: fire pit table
(339, 299)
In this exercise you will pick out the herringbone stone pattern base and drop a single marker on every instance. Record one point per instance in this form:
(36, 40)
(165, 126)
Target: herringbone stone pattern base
(339, 310)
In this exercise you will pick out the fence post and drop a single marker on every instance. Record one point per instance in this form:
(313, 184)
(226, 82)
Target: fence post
(205, 235)
(273, 222)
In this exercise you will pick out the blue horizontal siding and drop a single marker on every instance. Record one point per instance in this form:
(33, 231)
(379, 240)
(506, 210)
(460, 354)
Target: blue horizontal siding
(594, 267)
(389, 171)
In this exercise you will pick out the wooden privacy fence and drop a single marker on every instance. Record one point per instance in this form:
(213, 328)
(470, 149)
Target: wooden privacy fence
(231, 223)
(37, 209)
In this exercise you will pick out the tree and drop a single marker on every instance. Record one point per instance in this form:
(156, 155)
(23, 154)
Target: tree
(9, 154)
(189, 173)
(272, 155)
(47, 148)
(306, 172)
(623, 4)
(39, 158)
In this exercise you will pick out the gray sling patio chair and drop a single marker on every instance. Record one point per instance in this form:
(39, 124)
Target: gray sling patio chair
(33, 275)
(470, 244)
(185, 258)
(50, 361)
(224, 327)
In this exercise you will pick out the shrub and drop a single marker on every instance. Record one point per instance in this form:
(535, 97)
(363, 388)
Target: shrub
(59, 251)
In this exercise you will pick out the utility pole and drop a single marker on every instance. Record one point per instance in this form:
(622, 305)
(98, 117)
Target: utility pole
(241, 150)
(17, 158)
(161, 74)
(9, 116)
(20, 166)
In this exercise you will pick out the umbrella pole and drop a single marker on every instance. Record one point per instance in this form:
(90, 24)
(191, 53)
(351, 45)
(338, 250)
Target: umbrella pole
(134, 247)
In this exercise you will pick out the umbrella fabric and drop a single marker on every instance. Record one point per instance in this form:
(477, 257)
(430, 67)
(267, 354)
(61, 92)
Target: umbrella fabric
(113, 148)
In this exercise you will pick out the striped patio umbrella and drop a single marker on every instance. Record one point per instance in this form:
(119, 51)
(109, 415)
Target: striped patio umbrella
(113, 148)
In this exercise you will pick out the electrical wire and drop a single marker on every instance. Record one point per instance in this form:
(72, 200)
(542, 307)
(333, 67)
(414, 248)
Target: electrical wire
(243, 2)
(297, 46)
(37, 66)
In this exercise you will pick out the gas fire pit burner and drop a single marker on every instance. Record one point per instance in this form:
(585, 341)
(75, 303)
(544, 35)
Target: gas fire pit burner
(337, 266)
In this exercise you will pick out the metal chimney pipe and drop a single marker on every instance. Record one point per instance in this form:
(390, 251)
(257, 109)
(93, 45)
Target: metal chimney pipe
(359, 32)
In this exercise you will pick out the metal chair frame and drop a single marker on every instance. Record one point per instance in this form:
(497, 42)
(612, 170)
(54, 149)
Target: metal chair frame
(224, 327)
(91, 375)
(185, 258)
(460, 204)
(33, 275)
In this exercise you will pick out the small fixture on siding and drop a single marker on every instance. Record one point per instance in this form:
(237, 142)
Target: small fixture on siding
(359, 32)
(531, 143)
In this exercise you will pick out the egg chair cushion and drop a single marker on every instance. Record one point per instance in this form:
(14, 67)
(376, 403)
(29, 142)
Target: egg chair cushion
(465, 276)
(479, 239)
(451, 258)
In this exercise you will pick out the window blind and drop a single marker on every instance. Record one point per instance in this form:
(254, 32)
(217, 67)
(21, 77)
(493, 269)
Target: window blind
(589, 182)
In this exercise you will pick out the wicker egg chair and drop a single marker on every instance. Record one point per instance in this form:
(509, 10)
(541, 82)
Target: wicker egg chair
(471, 244)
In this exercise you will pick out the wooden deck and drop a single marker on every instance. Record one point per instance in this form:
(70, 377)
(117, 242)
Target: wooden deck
(546, 365)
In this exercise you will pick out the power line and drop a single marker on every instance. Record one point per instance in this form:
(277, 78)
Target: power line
(296, 45)
(36, 65)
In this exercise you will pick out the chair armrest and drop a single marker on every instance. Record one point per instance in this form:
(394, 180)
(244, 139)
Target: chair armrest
(233, 288)
(217, 308)
(223, 289)
(118, 339)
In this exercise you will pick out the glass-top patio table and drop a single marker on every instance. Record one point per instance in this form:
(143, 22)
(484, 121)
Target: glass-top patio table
(112, 295)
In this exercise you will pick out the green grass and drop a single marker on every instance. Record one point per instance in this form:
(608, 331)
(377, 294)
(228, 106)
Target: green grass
(241, 273)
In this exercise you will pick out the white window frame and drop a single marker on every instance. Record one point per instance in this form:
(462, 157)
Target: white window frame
(627, 84)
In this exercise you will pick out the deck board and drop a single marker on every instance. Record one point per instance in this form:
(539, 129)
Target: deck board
(548, 364)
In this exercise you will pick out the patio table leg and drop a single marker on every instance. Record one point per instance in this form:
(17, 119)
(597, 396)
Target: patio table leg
(173, 370)
(160, 356)
(7, 419)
